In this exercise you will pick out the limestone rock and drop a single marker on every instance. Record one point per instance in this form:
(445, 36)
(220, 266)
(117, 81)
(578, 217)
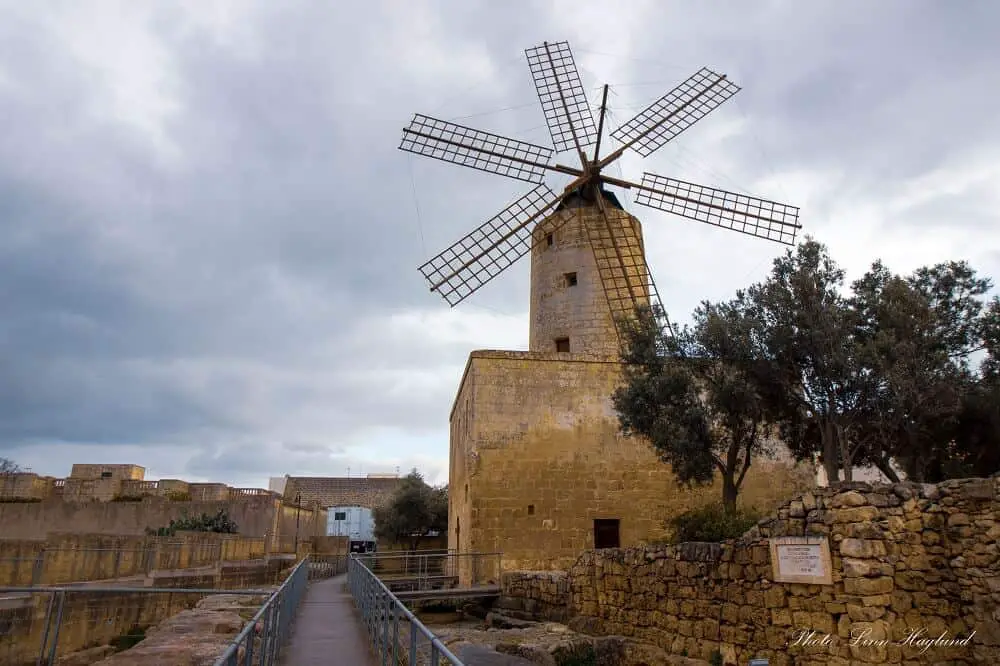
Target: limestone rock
(85, 657)
(499, 621)
(194, 637)
(849, 499)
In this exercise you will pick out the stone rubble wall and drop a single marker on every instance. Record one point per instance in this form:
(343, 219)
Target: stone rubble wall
(906, 557)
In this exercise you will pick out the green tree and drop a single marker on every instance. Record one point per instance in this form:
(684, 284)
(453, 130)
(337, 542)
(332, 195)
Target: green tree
(808, 367)
(691, 396)
(932, 412)
(414, 510)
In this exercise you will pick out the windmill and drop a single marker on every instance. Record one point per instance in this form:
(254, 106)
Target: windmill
(459, 271)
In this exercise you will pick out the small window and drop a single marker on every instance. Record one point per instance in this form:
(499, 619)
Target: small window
(562, 344)
(549, 240)
(531, 509)
(340, 515)
(570, 279)
(105, 475)
(606, 533)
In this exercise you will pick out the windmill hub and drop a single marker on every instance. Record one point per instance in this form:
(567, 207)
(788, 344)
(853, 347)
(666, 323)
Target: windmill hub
(599, 245)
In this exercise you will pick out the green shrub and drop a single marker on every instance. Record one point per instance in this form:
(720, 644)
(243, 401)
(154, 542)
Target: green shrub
(716, 659)
(127, 498)
(711, 523)
(178, 496)
(220, 523)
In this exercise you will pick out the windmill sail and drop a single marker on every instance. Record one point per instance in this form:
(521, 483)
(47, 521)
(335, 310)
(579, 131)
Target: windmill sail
(560, 91)
(476, 149)
(738, 212)
(676, 111)
(493, 247)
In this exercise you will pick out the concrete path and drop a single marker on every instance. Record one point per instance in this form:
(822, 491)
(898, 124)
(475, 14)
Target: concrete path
(328, 630)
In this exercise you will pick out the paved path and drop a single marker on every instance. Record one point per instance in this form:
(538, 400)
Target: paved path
(328, 630)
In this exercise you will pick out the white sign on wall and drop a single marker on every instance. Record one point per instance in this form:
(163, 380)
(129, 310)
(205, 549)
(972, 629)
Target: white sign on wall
(801, 560)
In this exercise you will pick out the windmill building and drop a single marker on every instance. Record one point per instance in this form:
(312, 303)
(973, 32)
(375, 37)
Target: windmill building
(538, 467)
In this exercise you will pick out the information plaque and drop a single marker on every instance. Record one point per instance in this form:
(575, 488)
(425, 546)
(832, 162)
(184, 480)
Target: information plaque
(801, 560)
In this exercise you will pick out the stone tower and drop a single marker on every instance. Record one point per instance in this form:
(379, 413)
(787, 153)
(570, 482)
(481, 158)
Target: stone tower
(538, 467)
(570, 311)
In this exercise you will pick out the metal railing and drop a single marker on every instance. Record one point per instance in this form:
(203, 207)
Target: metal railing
(267, 631)
(395, 633)
(326, 566)
(416, 571)
(40, 625)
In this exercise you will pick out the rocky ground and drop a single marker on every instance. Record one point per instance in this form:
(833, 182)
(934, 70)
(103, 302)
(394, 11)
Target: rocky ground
(499, 640)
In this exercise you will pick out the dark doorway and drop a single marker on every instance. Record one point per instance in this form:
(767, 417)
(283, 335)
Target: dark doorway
(606, 533)
(562, 344)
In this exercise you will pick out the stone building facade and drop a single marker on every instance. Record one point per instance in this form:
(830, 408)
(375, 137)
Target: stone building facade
(106, 483)
(538, 467)
(368, 492)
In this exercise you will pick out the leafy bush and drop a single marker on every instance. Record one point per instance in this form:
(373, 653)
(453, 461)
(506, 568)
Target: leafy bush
(716, 659)
(127, 498)
(178, 496)
(220, 523)
(711, 523)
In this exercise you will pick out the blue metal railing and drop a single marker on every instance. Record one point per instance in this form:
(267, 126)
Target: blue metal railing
(262, 638)
(383, 614)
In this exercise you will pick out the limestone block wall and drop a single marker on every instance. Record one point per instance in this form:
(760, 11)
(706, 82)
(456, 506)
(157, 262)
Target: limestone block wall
(208, 492)
(256, 516)
(74, 558)
(536, 457)
(911, 563)
(578, 310)
(120, 472)
(96, 490)
(327, 491)
(25, 486)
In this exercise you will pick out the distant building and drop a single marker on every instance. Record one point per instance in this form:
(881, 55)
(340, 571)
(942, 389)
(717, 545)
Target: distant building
(276, 484)
(354, 522)
(368, 492)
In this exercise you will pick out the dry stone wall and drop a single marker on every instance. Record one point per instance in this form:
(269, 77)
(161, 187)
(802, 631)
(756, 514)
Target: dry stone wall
(915, 569)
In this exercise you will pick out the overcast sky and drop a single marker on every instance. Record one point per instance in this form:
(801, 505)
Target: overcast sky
(209, 240)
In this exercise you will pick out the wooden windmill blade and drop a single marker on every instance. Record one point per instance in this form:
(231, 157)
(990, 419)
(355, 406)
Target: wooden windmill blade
(560, 90)
(673, 113)
(496, 245)
(624, 272)
(740, 212)
(476, 149)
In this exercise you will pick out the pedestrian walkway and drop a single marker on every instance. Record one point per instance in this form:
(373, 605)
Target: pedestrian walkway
(328, 630)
